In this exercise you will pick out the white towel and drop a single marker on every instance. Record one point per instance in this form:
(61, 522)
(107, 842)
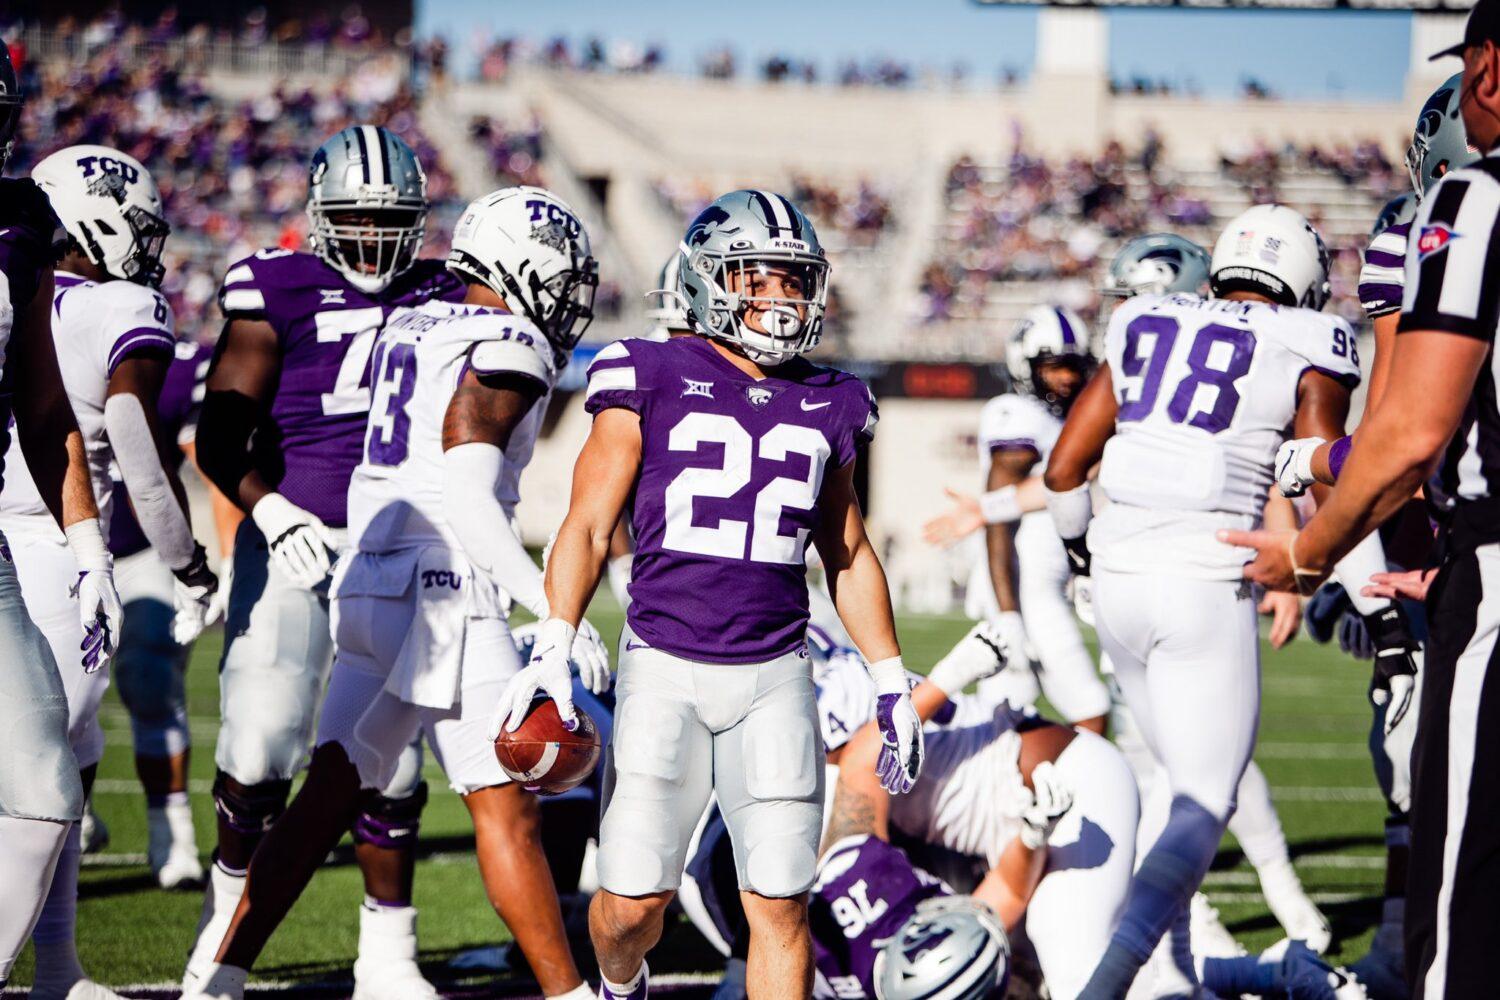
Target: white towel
(428, 668)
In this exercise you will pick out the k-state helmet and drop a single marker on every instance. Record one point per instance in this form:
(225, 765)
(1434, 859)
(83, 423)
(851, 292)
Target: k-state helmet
(366, 205)
(1046, 334)
(1402, 208)
(111, 208)
(668, 309)
(1157, 264)
(952, 948)
(1439, 143)
(733, 253)
(11, 100)
(528, 246)
(1273, 251)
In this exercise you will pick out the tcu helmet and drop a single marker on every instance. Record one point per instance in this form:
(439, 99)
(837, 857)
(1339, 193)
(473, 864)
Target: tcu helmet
(667, 312)
(111, 208)
(1439, 143)
(366, 205)
(527, 246)
(1157, 264)
(952, 948)
(1402, 208)
(1046, 334)
(731, 258)
(10, 103)
(1273, 251)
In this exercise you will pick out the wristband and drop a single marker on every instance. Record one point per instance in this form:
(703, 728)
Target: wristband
(1071, 511)
(889, 676)
(1338, 453)
(86, 540)
(1000, 506)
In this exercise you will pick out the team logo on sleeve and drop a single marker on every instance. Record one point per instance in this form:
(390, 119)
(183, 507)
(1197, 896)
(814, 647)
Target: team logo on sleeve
(1434, 238)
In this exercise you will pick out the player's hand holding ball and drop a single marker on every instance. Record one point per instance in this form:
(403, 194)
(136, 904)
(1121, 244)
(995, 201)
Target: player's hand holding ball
(548, 672)
(900, 759)
(1051, 798)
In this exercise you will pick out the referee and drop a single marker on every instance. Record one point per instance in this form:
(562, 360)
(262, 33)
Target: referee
(1440, 407)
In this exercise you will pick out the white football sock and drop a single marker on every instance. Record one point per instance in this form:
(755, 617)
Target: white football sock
(220, 900)
(57, 966)
(29, 849)
(1255, 823)
(608, 988)
(387, 934)
(579, 992)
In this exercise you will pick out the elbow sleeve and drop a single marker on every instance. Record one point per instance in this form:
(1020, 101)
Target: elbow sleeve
(223, 441)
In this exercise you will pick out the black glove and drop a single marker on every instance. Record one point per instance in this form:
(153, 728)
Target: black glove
(197, 573)
(1079, 559)
(1395, 676)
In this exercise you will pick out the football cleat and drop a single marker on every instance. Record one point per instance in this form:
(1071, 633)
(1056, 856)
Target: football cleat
(83, 989)
(1301, 975)
(92, 832)
(1209, 935)
(386, 968)
(1382, 974)
(218, 982)
(171, 847)
(1297, 914)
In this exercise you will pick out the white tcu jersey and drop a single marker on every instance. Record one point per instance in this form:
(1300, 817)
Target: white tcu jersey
(95, 326)
(1017, 423)
(1207, 390)
(396, 493)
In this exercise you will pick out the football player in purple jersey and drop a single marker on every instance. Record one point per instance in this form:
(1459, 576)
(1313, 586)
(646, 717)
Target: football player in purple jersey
(282, 429)
(734, 454)
(42, 801)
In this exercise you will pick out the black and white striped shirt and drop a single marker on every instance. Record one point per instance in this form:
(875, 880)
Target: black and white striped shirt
(1453, 285)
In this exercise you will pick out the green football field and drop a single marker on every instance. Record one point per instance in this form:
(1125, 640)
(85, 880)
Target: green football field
(1312, 748)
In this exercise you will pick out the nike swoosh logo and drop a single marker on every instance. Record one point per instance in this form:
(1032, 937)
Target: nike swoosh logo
(631, 644)
(815, 406)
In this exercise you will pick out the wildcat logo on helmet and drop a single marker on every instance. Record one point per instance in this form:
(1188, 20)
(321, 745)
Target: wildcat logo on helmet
(1434, 238)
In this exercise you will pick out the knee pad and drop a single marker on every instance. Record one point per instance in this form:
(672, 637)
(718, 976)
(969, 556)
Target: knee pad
(780, 862)
(391, 823)
(250, 809)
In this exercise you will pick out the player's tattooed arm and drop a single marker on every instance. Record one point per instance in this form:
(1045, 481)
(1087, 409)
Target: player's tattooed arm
(852, 568)
(1009, 467)
(487, 409)
(1090, 425)
(860, 805)
(241, 383)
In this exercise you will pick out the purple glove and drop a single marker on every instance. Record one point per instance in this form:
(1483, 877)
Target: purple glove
(901, 730)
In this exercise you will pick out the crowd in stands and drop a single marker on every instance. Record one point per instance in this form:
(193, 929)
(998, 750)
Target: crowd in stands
(1059, 222)
(233, 174)
(848, 216)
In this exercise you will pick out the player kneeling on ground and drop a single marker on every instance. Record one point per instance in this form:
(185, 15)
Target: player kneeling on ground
(419, 620)
(737, 453)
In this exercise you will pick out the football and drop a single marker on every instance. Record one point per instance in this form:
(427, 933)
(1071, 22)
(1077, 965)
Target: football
(543, 756)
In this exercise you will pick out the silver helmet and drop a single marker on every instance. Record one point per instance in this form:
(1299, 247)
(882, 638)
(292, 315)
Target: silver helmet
(1402, 208)
(1157, 264)
(755, 275)
(952, 948)
(11, 100)
(367, 205)
(668, 311)
(1439, 143)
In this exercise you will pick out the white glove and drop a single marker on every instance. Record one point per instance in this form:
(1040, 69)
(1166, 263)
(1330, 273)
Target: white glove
(548, 672)
(980, 654)
(193, 592)
(591, 657)
(218, 605)
(900, 760)
(99, 610)
(301, 544)
(1050, 799)
(1082, 592)
(1397, 746)
(1294, 465)
(1012, 631)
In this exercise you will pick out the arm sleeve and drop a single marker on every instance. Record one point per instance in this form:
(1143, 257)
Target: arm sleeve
(141, 321)
(1355, 569)
(470, 472)
(162, 519)
(1451, 283)
(613, 381)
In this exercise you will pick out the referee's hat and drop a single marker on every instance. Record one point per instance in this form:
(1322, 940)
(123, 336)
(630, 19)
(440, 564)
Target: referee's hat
(1483, 26)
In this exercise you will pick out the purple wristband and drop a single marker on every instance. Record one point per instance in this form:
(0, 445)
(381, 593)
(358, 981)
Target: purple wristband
(1337, 454)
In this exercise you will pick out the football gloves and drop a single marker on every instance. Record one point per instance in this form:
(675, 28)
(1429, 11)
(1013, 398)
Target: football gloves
(301, 545)
(900, 760)
(980, 654)
(99, 610)
(1294, 465)
(1051, 798)
(1011, 630)
(193, 595)
(1395, 676)
(549, 672)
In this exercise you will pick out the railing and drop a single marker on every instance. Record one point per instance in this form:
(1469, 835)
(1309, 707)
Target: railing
(271, 59)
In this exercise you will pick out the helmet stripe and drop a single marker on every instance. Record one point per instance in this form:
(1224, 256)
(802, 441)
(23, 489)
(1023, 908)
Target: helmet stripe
(774, 213)
(1069, 337)
(364, 152)
(379, 166)
(791, 214)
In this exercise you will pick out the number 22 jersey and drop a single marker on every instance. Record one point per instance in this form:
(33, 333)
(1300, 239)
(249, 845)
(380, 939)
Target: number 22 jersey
(732, 469)
(1207, 391)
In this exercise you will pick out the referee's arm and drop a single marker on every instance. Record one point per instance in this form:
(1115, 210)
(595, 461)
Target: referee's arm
(1447, 327)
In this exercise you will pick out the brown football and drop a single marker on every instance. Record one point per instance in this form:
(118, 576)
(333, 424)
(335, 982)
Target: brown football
(544, 757)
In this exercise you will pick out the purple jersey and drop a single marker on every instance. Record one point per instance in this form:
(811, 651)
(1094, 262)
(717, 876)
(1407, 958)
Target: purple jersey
(731, 472)
(315, 433)
(177, 411)
(28, 233)
(1382, 279)
(866, 890)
